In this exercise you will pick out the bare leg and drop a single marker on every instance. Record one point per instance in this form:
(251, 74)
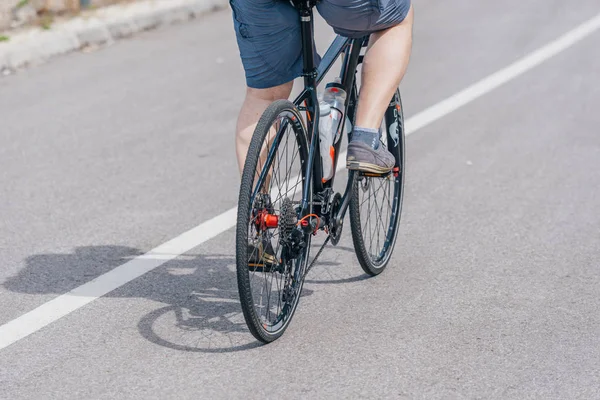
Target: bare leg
(255, 104)
(260, 248)
(383, 69)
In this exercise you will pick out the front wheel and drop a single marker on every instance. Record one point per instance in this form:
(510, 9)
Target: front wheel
(376, 201)
(271, 253)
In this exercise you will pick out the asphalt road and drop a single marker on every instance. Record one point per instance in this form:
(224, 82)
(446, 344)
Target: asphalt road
(493, 291)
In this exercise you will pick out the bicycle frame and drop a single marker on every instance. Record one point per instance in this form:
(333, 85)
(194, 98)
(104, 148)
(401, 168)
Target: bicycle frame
(320, 208)
(350, 50)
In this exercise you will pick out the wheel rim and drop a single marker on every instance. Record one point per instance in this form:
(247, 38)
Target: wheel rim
(379, 198)
(275, 293)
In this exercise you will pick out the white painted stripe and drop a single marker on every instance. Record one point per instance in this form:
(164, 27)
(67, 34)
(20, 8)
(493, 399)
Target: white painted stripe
(65, 304)
(503, 76)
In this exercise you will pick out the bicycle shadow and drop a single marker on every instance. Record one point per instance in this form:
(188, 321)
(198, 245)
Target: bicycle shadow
(327, 272)
(199, 312)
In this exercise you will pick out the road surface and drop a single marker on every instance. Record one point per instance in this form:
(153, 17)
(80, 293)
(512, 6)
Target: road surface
(493, 290)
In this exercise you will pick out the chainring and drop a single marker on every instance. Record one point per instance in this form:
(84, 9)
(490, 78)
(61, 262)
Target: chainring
(335, 229)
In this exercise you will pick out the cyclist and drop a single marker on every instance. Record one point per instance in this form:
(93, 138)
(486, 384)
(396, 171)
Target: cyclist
(269, 41)
(268, 36)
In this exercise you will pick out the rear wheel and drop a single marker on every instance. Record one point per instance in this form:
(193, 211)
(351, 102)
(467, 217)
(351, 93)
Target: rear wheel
(270, 282)
(376, 201)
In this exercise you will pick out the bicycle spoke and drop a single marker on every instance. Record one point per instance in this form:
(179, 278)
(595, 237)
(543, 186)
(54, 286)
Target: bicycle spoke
(280, 165)
(378, 220)
(376, 203)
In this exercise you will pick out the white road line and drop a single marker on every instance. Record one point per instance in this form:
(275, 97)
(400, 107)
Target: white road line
(65, 304)
(503, 76)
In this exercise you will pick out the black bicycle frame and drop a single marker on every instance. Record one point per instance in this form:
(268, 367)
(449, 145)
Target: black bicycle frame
(313, 75)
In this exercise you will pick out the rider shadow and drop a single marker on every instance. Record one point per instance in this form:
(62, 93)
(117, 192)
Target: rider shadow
(201, 311)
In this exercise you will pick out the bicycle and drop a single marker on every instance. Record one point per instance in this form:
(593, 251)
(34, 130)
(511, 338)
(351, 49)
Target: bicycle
(305, 203)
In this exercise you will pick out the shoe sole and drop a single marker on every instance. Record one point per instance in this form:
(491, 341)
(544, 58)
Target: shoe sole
(267, 266)
(367, 167)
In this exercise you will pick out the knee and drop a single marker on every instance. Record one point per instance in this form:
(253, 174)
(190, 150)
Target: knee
(272, 93)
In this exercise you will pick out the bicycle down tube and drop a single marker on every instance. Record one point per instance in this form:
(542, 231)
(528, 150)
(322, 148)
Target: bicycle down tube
(313, 76)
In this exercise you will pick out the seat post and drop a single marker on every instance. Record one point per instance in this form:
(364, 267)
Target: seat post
(308, 42)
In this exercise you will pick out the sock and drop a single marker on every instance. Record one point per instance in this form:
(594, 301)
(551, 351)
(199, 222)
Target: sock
(367, 136)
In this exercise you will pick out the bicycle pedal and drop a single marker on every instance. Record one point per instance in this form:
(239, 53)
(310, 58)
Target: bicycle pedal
(374, 174)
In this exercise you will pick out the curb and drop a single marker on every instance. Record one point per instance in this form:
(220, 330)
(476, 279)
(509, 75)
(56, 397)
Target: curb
(100, 27)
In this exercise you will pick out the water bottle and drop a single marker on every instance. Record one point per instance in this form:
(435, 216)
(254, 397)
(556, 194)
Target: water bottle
(331, 115)
(335, 96)
(326, 136)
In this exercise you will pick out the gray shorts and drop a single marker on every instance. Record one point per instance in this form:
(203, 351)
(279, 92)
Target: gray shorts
(268, 32)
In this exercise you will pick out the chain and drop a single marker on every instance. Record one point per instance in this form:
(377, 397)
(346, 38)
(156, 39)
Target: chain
(312, 264)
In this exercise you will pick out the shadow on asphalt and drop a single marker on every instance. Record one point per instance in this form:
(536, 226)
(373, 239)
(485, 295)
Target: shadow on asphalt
(200, 310)
(330, 280)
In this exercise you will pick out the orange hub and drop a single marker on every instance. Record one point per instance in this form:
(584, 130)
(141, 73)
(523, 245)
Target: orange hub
(271, 221)
(264, 220)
